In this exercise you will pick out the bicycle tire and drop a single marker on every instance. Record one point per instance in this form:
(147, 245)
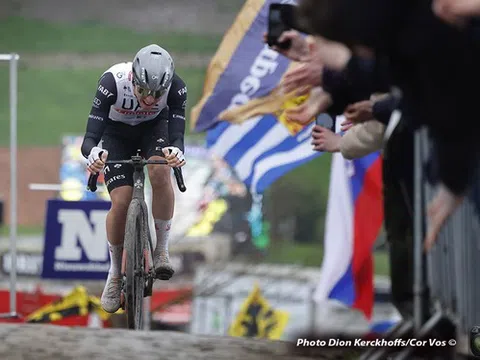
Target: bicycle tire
(135, 248)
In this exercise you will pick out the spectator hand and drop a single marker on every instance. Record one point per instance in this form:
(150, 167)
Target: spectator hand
(439, 210)
(317, 102)
(456, 12)
(299, 49)
(331, 54)
(457, 8)
(309, 73)
(345, 125)
(325, 140)
(359, 112)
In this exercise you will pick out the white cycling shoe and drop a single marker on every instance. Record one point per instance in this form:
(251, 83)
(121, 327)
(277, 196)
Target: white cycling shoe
(163, 268)
(111, 294)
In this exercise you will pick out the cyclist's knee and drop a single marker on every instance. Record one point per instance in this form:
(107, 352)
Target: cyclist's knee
(121, 198)
(159, 176)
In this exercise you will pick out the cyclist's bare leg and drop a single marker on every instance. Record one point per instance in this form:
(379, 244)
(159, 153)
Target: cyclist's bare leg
(163, 201)
(117, 215)
(115, 224)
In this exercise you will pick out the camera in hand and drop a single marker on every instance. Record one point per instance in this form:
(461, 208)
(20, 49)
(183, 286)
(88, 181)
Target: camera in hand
(281, 18)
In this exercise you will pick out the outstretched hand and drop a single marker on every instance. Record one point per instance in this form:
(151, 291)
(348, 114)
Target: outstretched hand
(325, 140)
(439, 210)
(298, 50)
(456, 12)
(309, 73)
(359, 112)
(317, 102)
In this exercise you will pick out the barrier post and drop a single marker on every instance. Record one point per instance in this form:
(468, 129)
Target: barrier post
(13, 59)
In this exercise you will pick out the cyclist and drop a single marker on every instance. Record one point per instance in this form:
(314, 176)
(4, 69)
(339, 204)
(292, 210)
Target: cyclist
(137, 105)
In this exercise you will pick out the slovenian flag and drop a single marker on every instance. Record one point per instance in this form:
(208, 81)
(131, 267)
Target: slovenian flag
(353, 222)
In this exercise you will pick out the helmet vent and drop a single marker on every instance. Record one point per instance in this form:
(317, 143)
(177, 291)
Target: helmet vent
(146, 75)
(155, 53)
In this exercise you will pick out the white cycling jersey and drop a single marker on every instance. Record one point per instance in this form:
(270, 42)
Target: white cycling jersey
(126, 108)
(115, 108)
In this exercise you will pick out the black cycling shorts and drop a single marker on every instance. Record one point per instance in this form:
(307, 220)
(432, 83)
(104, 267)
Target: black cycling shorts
(122, 141)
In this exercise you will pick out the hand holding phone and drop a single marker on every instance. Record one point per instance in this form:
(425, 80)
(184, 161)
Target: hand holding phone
(279, 16)
(325, 138)
(326, 121)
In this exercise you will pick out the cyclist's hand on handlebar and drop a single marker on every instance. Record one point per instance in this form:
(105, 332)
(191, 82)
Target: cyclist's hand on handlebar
(96, 160)
(174, 156)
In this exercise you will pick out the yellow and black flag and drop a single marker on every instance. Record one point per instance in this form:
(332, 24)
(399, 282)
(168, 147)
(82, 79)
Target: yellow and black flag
(76, 303)
(258, 319)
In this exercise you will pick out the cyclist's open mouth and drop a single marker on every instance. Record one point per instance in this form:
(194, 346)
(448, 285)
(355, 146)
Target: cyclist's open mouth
(149, 102)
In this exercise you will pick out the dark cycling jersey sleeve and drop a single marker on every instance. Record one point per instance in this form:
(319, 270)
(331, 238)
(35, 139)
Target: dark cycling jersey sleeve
(177, 101)
(105, 97)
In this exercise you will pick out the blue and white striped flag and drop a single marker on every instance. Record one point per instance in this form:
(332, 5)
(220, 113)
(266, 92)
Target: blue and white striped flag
(265, 147)
(260, 150)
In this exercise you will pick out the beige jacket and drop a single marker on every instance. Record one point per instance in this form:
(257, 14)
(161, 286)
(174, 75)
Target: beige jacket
(362, 139)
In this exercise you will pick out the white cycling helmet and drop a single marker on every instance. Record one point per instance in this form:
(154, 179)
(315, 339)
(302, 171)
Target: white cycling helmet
(153, 70)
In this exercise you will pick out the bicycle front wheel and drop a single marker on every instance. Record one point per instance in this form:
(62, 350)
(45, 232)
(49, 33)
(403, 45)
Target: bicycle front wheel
(135, 249)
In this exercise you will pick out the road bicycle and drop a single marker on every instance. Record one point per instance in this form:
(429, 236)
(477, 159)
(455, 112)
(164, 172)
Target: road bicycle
(138, 273)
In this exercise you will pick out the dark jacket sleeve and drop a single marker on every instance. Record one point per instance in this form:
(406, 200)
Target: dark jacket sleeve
(382, 109)
(335, 83)
(357, 82)
(177, 101)
(367, 76)
(105, 97)
(474, 29)
(456, 158)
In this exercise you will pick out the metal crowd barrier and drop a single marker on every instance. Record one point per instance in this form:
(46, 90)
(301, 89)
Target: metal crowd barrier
(453, 265)
(450, 271)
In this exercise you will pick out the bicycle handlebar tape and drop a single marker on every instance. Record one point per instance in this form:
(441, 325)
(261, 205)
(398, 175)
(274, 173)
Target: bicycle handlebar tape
(92, 182)
(179, 176)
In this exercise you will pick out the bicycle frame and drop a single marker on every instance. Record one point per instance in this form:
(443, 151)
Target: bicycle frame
(138, 179)
(143, 267)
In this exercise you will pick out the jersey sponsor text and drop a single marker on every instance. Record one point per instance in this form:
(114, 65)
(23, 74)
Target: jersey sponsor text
(104, 91)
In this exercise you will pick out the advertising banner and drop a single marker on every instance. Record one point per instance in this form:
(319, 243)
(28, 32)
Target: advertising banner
(75, 240)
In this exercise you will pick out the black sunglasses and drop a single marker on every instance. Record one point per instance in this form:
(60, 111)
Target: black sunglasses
(146, 92)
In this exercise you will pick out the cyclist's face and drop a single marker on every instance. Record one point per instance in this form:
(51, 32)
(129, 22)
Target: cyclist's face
(145, 98)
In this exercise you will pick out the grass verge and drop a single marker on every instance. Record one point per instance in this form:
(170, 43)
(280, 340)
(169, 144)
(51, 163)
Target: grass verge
(36, 36)
(312, 255)
(55, 102)
(23, 230)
